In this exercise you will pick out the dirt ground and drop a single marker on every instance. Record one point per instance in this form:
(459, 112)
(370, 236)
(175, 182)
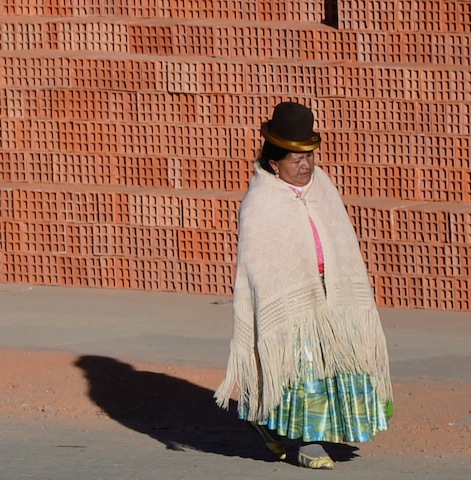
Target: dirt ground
(433, 418)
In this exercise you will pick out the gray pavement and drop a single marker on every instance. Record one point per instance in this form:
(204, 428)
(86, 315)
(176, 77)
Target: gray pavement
(184, 329)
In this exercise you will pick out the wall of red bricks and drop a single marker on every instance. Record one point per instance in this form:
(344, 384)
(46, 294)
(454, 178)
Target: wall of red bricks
(128, 130)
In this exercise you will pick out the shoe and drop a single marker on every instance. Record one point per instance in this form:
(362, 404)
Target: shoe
(274, 445)
(314, 456)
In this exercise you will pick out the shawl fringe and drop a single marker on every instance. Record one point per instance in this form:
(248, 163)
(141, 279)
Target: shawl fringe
(319, 341)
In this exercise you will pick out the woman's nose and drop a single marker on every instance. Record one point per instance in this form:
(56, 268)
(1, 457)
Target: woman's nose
(305, 163)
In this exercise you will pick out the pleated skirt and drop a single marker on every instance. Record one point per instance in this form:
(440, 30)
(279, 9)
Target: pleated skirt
(344, 408)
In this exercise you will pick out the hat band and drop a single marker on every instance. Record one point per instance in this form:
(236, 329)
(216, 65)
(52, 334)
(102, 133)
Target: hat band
(293, 145)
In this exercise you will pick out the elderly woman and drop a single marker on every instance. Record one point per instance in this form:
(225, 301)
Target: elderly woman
(308, 353)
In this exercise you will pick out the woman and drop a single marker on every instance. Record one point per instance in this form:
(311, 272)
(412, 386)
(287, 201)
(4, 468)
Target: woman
(308, 353)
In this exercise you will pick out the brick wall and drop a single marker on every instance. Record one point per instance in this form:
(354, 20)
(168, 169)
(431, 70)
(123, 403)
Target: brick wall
(128, 131)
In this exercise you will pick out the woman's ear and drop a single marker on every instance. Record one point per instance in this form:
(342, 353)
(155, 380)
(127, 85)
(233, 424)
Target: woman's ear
(274, 166)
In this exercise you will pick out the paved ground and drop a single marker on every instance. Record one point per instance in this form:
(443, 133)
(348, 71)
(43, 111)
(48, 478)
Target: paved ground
(179, 329)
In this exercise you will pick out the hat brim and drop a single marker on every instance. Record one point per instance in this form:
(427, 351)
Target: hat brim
(293, 146)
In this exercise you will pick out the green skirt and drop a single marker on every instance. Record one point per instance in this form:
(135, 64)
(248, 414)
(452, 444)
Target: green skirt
(344, 408)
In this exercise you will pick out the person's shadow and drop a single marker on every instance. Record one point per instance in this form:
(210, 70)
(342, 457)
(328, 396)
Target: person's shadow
(177, 413)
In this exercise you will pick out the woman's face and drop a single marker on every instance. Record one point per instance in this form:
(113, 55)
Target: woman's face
(296, 168)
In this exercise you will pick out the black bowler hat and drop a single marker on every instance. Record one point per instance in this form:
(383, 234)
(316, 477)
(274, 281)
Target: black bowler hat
(291, 128)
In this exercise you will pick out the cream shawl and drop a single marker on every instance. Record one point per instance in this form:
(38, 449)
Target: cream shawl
(280, 302)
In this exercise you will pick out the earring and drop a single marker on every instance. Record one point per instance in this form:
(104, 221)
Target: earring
(277, 175)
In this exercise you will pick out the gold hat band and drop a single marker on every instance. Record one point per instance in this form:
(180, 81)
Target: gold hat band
(291, 145)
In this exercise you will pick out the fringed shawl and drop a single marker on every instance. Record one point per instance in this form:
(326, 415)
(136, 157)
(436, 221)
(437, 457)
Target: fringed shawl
(280, 301)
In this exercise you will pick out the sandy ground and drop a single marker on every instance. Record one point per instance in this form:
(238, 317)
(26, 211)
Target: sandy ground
(430, 418)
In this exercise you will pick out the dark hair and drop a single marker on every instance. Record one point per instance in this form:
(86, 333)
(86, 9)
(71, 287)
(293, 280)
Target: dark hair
(271, 152)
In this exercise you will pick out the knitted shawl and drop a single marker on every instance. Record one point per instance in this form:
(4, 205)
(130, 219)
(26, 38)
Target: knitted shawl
(281, 303)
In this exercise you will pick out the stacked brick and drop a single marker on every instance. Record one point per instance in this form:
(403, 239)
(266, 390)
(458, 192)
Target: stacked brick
(128, 131)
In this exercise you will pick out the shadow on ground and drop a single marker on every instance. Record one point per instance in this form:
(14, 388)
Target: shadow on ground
(176, 412)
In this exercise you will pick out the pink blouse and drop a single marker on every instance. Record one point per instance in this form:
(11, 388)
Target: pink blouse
(315, 233)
